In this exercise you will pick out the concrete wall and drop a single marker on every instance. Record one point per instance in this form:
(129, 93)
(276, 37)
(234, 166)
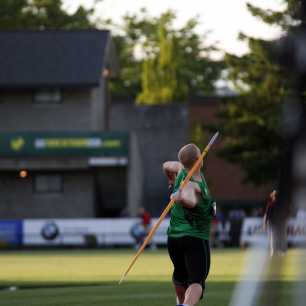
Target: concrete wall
(18, 199)
(98, 107)
(79, 110)
(135, 190)
(160, 132)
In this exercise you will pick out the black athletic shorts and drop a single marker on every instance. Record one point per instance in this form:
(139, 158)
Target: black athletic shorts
(191, 260)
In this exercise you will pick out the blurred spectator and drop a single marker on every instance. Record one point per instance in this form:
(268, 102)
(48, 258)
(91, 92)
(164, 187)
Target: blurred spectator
(214, 235)
(140, 229)
(145, 218)
(222, 230)
(276, 226)
(236, 217)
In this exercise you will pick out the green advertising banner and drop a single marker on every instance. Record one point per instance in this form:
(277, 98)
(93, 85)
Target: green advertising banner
(64, 144)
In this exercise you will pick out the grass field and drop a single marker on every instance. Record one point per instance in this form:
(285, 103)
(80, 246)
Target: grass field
(90, 277)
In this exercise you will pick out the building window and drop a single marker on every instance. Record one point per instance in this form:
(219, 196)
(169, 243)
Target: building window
(48, 183)
(48, 96)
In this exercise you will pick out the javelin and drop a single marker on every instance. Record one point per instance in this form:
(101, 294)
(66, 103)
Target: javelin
(168, 207)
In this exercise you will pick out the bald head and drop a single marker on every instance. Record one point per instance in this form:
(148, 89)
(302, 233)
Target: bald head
(188, 155)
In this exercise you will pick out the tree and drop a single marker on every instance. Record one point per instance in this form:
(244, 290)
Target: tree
(159, 75)
(42, 15)
(160, 63)
(250, 124)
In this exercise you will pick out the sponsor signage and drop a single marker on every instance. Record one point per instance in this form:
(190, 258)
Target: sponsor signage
(64, 143)
(253, 232)
(82, 232)
(108, 161)
(10, 233)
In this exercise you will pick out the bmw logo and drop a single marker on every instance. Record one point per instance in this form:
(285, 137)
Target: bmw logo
(50, 231)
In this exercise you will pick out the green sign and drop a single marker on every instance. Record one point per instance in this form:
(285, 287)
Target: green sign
(64, 143)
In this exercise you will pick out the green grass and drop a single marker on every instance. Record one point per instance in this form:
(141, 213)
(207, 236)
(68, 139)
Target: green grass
(90, 277)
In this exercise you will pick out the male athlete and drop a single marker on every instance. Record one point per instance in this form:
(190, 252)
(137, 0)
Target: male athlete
(189, 228)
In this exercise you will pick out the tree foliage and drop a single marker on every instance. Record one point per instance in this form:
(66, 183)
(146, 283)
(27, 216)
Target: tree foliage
(160, 63)
(250, 123)
(159, 72)
(41, 15)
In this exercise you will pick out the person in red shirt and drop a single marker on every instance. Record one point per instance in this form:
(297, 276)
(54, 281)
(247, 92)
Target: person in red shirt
(145, 217)
(141, 228)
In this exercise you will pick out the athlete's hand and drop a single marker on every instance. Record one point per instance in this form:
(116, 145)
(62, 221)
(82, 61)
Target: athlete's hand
(177, 196)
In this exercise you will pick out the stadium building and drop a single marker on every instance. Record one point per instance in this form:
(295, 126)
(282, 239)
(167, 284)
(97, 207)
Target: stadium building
(57, 156)
(65, 150)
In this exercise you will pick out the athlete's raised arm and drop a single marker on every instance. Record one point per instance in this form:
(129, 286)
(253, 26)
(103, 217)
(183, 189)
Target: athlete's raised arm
(171, 169)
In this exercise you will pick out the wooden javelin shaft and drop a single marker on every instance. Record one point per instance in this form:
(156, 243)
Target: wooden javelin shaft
(168, 207)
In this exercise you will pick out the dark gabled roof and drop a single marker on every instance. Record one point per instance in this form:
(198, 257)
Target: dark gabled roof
(52, 58)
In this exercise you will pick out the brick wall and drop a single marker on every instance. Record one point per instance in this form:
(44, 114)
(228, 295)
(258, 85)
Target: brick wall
(225, 179)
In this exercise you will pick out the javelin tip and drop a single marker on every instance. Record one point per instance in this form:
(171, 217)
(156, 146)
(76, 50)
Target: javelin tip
(213, 139)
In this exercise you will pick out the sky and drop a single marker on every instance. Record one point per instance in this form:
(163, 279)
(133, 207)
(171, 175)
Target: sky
(223, 18)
